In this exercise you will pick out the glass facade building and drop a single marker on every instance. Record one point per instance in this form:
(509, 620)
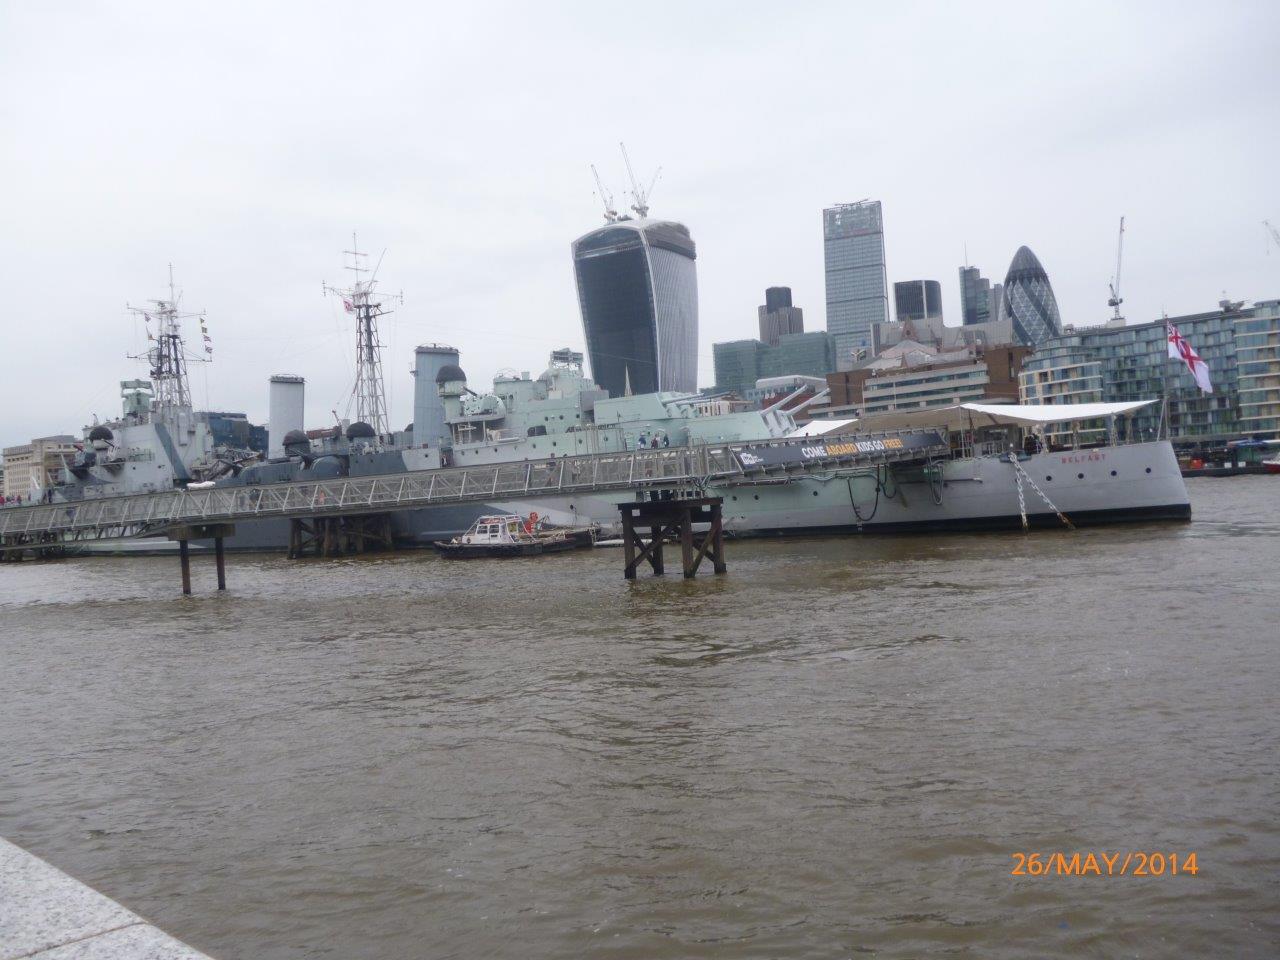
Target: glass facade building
(1258, 370)
(857, 290)
(979, 300)
(740, 363)
(1028, 300)
(917, 299)
(1240, 345)
(638, 292)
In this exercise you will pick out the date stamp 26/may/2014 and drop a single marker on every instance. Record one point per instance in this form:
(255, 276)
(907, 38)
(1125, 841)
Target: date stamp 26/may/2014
(1133, 863)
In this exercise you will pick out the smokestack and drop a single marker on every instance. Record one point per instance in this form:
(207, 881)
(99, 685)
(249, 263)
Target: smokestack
(284, 410)
(428, 411)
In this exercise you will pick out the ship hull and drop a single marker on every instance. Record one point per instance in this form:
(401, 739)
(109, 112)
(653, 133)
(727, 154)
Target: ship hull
(1104, 485)
(1134, 483)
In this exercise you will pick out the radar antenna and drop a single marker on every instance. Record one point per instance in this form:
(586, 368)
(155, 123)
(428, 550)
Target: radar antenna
(1115, 300)
(638, 194)
(368, 393)
(610, 211)
(167, 354)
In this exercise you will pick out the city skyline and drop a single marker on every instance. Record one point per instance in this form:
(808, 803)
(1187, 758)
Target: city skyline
(118, 176)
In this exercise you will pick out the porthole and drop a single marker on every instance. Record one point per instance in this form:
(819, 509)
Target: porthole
(756, 495)
(1148, 469)
(1048, 478)
(735, 497)
(1113, 473)
(815, 493)
(1079, 476)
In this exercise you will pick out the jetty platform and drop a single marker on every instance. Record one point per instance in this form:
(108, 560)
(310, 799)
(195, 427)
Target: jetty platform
(47, 915)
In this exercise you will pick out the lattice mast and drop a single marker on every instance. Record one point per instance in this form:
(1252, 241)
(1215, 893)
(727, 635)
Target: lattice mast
(167, 353)
(362, 301)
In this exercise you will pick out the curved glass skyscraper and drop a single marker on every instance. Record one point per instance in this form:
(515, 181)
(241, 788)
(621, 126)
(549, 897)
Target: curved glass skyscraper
(1029, 301)
(638, 290)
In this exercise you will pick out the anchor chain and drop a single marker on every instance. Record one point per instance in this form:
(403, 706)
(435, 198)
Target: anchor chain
(1022, 503)
(1020, 475)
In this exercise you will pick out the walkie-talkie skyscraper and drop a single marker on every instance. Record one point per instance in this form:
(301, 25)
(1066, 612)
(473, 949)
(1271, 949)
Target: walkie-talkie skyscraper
(638, 291)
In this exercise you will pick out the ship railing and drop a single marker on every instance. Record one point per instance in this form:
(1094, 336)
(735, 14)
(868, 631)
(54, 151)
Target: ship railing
(151, 514)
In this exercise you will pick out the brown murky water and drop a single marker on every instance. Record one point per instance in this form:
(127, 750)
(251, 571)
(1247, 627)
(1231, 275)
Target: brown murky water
(831, 751)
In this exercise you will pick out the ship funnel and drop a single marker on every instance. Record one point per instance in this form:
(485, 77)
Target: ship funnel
(284, 411)
(429, 427)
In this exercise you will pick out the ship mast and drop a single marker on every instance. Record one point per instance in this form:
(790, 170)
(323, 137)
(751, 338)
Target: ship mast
(358, 299)
(167, 354)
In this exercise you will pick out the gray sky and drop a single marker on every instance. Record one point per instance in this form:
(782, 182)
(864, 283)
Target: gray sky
(244, 143)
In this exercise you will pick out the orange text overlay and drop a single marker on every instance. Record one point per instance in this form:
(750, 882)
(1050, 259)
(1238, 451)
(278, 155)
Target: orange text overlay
(1133, 863)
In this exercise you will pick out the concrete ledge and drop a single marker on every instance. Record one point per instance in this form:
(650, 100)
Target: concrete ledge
(47, 915)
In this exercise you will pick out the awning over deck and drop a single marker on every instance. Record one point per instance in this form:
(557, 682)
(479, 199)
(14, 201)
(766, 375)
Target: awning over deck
(961, 415)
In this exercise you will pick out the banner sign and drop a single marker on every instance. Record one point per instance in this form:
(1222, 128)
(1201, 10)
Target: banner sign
(805, 451)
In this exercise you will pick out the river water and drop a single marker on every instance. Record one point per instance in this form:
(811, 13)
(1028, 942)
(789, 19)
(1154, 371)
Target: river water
(834, 750)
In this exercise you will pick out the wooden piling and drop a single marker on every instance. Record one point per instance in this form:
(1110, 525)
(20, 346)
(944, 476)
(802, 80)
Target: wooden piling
(220, 559)
(216, 532)
(672, 517)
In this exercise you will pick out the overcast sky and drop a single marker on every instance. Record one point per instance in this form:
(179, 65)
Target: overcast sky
(245, 142)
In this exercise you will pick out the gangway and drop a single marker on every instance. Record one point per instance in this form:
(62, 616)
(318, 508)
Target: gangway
(158, 514)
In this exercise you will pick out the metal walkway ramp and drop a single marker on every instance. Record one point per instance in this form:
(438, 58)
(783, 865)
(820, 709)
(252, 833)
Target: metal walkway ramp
(146, 515)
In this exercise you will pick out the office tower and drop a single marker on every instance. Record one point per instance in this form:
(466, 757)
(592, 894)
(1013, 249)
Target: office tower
(638, 292)
(778, 316)
(917, 299)
(979, 298)
(740, 363)
(1028, 300)
(857, 297)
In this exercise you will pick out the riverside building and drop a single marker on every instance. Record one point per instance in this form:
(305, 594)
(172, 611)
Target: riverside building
(33, 467)
(1241, 346)
(917, 376)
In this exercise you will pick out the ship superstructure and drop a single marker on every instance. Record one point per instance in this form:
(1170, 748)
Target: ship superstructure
(160, 441)
(362, 300)
(563, 412)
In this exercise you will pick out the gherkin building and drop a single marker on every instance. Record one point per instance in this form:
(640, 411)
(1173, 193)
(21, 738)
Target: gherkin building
(1028, 300)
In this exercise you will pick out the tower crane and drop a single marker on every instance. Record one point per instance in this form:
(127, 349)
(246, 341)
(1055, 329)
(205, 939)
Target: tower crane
(638, 194)
(610, 211)
(1115, 300)
(1273, 233)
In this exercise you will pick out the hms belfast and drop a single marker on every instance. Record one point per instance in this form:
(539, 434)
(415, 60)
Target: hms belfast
(1000, 472)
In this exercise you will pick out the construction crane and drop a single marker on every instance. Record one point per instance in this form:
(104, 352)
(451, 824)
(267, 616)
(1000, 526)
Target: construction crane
(639, 195)
(1115, 300)
(610, 211)
(1273, 233)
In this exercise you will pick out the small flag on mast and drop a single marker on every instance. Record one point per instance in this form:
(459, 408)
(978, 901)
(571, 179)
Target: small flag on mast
(1180, 349)
(348, 306)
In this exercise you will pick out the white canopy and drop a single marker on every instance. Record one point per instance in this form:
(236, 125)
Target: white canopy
(961, 415)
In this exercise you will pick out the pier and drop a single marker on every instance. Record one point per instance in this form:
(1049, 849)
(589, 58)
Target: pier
(181, 514)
